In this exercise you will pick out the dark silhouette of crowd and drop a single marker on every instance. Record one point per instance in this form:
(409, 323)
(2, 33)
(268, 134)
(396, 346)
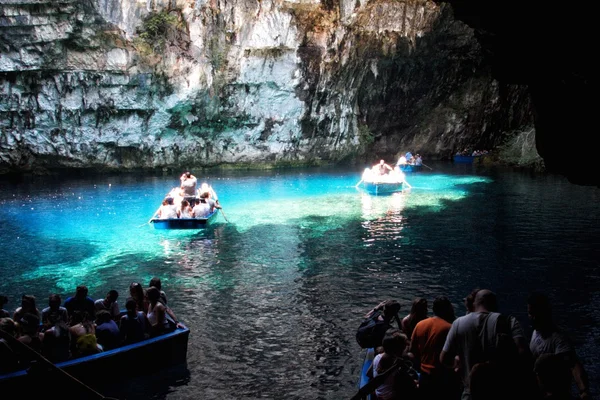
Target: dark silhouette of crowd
(81, 326)
(483, 355)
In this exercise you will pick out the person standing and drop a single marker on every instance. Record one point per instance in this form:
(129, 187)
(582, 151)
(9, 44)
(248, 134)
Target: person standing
(547, 338)
(427, 341)
(472, 339)
(188, 184)
(418, 312)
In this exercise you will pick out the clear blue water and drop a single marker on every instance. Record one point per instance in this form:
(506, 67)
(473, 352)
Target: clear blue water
(273, 294)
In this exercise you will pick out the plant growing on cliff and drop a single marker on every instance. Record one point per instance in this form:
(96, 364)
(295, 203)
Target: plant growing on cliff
(155, 29)
(365, 137)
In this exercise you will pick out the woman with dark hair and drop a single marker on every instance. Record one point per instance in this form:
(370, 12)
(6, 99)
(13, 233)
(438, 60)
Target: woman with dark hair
(418, 312)
(136, 291)
(157, 313)
(27, 306)
(3, 312)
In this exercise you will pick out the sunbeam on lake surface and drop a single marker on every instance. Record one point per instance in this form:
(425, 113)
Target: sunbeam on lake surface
(274, 290)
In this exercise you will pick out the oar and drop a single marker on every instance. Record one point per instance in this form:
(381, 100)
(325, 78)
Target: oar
(359, 182)
(150, 220)
(221, 209)
(34, 354)
(409, 186)
(427, 166)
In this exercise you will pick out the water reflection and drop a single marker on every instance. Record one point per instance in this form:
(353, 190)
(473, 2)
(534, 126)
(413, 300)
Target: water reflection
(382, 216)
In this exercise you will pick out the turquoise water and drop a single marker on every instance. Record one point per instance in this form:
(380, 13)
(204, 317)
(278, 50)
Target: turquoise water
(275, 288)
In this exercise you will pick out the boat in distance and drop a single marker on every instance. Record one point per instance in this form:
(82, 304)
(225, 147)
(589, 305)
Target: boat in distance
(146, 356)
(381, 188)
(410, 167)
(465, 159)
(174, 199)
(377, 184)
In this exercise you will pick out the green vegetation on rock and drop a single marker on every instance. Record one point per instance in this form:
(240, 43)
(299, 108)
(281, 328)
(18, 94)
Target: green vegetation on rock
(156, 28)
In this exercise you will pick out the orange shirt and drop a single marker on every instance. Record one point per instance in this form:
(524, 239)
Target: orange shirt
(427, 341)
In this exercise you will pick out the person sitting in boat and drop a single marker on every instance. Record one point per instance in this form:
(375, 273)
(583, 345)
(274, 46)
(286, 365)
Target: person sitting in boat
(382, 168)
(188, 184)
(134, 325)
(212, 202)
(418, 160)
(409, 158)
(157, 314)
(167, 210)
(211, 192)
(3, 313)
(201, 209)
(185, 211)
(401, 161)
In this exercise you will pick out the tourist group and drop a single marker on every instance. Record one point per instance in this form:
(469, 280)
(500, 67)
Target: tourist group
(483, 355)
(81, 326)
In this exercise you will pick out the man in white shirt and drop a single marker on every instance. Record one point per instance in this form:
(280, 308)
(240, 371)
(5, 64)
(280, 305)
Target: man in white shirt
(188, 184)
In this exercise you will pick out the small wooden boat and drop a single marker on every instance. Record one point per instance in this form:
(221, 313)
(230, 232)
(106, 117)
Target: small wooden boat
(465, 159)
(380, 188)
(376, 184)
(127, 361)
(184, 223)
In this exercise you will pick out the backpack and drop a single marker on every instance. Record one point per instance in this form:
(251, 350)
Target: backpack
(498, 346)
(371, 331)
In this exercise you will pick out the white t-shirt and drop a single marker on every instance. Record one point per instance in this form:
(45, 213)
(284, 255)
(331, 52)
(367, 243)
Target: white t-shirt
(189, 186)
(185, 212)
(385, 391)
(201, 210)
(168, 211)
(556, 343)
(113, 310)
(463, 338)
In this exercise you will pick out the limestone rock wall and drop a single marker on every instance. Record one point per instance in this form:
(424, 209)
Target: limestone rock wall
(129, 84)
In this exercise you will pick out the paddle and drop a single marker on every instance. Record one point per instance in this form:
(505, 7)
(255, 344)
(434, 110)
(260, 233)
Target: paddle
(151, 218)
(359, 182)
(409, 186)
(34, 354)
(427, 166)
(222, 213)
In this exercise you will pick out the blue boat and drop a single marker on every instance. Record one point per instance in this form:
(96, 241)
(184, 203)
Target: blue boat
(364, 379)
(139, 358)
(382, 188)
(410, 167)
(465, 159)
(184, 223)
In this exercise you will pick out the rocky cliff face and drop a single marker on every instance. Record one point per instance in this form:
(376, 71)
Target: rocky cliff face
(126, 84)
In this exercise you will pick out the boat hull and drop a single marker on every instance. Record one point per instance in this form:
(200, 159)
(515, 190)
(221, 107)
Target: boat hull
(382, 188)
(183, 223)
(143, 357)
(410, 168)
(465, 159)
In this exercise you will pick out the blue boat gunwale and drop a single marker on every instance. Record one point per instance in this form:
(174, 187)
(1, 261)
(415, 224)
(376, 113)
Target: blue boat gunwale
(119, 350)
(364, 379)
(193, 221)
